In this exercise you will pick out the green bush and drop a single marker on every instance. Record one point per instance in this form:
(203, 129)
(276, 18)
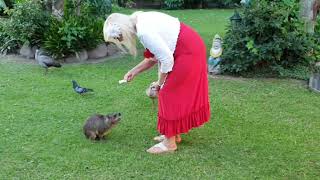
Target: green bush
(223, 3)
(269, 38)
(173, 4)
(27, 22)
(99, 8)
(7, 45)
(73, 35)
(74, 32)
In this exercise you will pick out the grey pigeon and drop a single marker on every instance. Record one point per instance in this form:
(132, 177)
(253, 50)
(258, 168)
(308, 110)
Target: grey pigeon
(80, 90)
(45, 60)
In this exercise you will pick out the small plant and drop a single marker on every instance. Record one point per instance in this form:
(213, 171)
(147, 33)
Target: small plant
(173, 4)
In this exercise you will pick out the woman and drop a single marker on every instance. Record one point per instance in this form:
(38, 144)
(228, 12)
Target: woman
(182, 81)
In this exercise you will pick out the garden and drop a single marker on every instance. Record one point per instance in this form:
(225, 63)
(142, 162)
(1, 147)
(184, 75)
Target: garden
(264, 122)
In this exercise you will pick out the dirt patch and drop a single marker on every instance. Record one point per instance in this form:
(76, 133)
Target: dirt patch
(234, 78)
(20, 59)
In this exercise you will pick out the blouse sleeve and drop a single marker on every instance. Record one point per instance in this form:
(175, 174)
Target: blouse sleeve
(148, 54)
(160, 50)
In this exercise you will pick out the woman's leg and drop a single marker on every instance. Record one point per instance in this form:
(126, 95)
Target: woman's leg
(161, 138)
(178, 138)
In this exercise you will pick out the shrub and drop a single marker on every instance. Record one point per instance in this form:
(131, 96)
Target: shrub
(223, 3)
(99, 8)
(7, 45)
(270, 37)
(74, 32)
(73, 35)
(27, 22)
(173, 4)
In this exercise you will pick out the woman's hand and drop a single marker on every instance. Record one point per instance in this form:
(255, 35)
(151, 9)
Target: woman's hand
(142, 66)
(129, 76)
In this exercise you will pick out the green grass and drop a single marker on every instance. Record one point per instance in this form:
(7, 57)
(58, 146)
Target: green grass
(260, 128)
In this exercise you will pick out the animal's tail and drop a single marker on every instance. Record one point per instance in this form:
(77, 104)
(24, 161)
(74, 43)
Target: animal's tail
(56, 64)
(89, 90)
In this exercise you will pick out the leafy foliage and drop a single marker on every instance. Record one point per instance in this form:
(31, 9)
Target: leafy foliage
(99, 8)
(73, 35)
(7, 45)
(80, 28)
(27, 22)
(174, 4)
(270, 37)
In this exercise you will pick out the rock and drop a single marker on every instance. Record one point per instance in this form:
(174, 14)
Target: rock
(78, 57)
(99, 52)
(112, 49)
(314, 82)
(27, 51)
(130, 4)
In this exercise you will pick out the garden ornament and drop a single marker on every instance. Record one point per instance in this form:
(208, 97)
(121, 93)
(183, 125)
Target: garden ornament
(215, 53)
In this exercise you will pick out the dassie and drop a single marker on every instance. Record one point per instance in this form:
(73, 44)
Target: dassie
(97, 126)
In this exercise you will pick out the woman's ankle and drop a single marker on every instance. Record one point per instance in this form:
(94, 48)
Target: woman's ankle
(170, 142)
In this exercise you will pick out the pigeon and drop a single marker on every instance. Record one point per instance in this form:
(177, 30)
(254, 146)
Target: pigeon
(80, 90)
(45, 60)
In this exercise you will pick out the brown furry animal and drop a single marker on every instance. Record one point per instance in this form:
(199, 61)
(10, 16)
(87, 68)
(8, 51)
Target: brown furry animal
(97, 126)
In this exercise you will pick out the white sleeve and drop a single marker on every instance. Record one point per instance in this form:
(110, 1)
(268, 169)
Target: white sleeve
(159, 48)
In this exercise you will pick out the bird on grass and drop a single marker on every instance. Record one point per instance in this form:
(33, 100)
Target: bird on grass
(80, 90)
(45, 61)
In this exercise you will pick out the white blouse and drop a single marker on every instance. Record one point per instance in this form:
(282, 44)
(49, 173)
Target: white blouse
(159, 33)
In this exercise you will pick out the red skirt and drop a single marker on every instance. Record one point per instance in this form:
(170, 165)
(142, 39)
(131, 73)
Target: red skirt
(183, 100)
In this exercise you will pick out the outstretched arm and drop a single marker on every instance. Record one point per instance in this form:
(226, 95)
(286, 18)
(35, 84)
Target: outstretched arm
(142, 66)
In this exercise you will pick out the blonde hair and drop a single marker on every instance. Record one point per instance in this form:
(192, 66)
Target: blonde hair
(126, 25)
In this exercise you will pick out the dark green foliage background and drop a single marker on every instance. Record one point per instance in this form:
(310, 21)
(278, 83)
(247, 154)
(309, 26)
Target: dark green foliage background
(270, 38)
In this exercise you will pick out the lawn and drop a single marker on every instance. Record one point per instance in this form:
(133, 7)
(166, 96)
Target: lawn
(260, 128)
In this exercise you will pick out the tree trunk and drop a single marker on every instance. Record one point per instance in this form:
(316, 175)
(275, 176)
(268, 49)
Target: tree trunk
(3, 4)
(57, 8)
(308, 13)
(78, 5)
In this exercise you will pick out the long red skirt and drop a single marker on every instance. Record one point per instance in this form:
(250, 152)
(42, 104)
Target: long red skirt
(183, 100)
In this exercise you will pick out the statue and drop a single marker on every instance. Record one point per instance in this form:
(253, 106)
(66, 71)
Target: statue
(215, 53)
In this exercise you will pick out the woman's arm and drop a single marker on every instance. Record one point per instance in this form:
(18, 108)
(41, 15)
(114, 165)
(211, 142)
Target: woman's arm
(142, 66)
(162, 78)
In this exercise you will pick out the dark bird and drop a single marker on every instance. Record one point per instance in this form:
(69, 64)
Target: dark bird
(45, 61)
(80, 90)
